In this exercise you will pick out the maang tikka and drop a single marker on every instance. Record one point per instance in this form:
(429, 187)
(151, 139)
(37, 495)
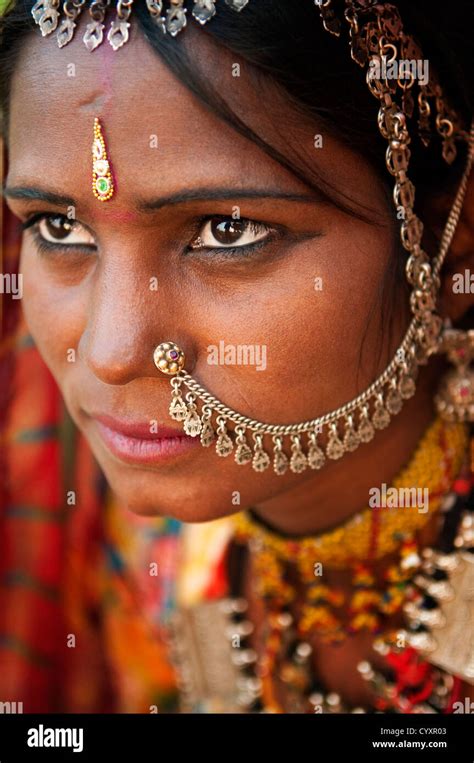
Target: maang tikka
(375, 30)
(102, 180)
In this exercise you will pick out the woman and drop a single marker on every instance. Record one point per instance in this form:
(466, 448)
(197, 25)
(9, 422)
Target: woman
(287, 535)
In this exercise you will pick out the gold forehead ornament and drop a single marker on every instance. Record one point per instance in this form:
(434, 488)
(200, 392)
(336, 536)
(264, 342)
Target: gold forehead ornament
(102, 180)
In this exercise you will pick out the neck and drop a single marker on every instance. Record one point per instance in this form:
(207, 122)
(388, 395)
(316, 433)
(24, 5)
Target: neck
(341, 489)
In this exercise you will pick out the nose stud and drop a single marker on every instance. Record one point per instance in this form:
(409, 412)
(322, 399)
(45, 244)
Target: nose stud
(169, 358)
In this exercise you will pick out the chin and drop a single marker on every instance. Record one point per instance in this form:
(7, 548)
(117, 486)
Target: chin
(144, 494)
(185, 511)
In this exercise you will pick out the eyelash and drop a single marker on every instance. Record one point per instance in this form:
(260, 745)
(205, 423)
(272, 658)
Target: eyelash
(273, 231)
(44, 247)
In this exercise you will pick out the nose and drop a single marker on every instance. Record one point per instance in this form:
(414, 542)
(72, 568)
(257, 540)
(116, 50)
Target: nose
(122, 326)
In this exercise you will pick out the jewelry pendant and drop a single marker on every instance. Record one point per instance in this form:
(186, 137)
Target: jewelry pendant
(175, 17)
(381, 417)
(298, 461)
(178, 410)
(280, 460)
(49, 21)
(192, 424)
(65, 32)
(207, 432)
(243, 454)
(204, 10)
(351, 438)
(118, 33)
(316, 457)
(394, 400)
(335, 448)
(224, 445)
(93, 35)
(102, 180)
(261, 459)
(366, 430)
(46, 15)
(455, 399)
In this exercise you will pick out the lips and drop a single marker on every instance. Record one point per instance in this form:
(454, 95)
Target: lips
(137, 443)
(139, 431)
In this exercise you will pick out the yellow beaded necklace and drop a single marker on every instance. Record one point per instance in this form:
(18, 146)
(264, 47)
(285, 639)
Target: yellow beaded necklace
(368, 536)
(435, 463)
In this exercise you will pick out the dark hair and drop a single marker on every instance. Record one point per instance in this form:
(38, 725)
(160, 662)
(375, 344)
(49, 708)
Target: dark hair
(285, 41)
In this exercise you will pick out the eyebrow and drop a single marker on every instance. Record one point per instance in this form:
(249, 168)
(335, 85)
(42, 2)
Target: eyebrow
(225, 194)
(32, 193)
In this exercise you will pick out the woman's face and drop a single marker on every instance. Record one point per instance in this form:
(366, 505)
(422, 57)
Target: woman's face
(107, 282)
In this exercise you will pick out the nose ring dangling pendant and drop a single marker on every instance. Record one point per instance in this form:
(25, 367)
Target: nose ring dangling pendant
(170, 359)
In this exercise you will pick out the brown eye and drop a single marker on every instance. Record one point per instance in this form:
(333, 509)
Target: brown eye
(222, 233)
(57, 229)
(227, 232)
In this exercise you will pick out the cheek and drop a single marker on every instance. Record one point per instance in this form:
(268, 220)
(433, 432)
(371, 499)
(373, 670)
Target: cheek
(306, 319)
(54, 313)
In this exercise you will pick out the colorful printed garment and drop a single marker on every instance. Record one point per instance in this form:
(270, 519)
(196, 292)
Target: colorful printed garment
(87, 587)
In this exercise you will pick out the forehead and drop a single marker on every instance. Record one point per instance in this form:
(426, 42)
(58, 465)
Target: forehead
(156, 130)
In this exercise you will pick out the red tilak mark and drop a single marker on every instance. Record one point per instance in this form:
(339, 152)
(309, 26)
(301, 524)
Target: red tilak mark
(111, 215)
